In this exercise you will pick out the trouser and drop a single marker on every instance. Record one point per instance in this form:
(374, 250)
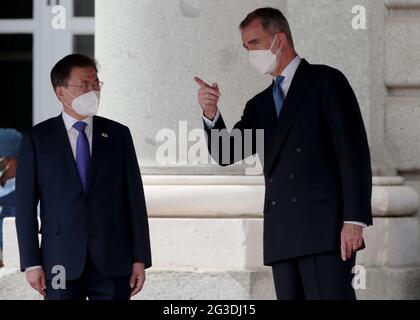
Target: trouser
(91, 285)
(323, 276)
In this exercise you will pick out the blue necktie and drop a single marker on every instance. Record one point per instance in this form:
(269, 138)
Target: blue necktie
(82, 153)
(278, 94)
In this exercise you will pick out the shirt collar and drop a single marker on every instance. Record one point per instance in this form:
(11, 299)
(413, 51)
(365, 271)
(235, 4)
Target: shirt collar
(289, 72)
(70, 121)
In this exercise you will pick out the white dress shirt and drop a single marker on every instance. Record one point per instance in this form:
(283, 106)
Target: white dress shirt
(288, 74)
(73, 134)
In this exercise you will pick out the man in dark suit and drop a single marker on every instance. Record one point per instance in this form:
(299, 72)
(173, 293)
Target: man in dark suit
(316, 162)
(83, 171)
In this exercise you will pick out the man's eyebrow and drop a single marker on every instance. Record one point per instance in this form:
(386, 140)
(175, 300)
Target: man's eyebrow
(252, 41)
(87, 81)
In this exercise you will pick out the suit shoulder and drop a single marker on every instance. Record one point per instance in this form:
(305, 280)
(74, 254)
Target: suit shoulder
(327, 73)
(260, 95)
(111, 123)
(44, 126)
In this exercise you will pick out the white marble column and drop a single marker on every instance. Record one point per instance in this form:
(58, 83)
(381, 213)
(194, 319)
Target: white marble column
(207, 220)
(150, 51)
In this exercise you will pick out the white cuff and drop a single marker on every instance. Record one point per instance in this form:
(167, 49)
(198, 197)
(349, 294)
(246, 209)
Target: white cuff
(33, 268)
(364, 225)
(210, 123)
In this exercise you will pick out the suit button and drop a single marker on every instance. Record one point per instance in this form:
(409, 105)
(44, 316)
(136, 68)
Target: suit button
(271, 180)
(299, 150)
(294, 199)
(292, 176)
(273, 203)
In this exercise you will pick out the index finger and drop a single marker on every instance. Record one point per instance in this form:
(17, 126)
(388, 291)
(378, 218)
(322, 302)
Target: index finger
(137, 288)
(349, 250)
(343, 250)
(40, 288)
(201, 83)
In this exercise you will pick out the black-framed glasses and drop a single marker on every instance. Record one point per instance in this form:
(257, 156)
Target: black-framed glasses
(85, 86)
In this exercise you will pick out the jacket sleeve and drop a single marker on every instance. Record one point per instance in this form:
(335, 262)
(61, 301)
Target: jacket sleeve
(136, 205)
(27, 198)
(228, 147)
(345, 122)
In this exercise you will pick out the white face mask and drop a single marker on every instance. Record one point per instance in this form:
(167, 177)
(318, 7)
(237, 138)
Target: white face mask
(86, 104)
(264, 60)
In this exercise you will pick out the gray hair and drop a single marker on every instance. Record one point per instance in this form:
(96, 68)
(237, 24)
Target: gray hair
(272, 21)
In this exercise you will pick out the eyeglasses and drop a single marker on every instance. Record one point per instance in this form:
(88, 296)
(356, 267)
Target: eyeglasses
(85, 86)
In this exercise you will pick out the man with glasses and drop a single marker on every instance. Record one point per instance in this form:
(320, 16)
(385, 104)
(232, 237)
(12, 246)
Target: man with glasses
(84, 172)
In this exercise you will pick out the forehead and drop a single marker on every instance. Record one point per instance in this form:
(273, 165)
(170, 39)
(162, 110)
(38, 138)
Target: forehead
(253, 31)
(83, 73)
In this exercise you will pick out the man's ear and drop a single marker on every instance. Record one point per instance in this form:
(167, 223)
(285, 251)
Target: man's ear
(60, 93)
(281, 39)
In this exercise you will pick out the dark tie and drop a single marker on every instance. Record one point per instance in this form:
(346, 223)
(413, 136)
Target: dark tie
(278, 94)
(82, 153)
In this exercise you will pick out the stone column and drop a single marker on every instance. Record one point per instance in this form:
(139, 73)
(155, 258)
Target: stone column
(206, 222)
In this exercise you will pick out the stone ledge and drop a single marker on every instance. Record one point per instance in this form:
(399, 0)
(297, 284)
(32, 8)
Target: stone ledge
(391, 242)
(243, 196)
(215, 245)
(391, 284)
(186, 244)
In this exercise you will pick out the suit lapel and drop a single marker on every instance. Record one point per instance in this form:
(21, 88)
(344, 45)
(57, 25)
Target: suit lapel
(99, 149)
(61, 146)
(270, 116)
(291, 107)
(268, 119)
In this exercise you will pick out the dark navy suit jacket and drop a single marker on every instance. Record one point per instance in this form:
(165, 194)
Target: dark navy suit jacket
(108, 221)
(316, 162)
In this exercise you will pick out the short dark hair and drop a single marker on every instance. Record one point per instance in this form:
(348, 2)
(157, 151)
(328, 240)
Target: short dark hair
(61, 71)
(272, 21)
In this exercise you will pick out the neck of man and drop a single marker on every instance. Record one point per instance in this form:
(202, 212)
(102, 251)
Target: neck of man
(287, 56)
